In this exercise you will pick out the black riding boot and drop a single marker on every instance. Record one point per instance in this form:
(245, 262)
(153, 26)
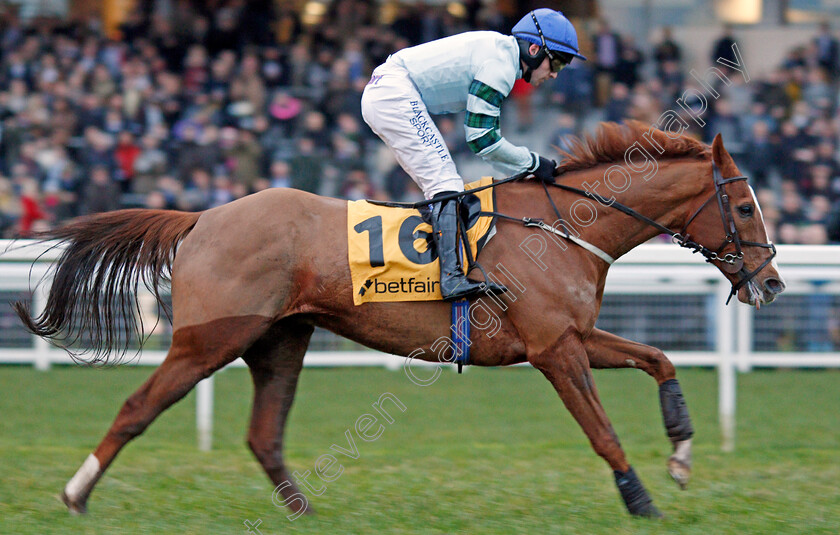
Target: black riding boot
(454, 284)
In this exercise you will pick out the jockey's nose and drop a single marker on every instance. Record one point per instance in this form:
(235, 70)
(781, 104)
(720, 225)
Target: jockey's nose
(554, 75)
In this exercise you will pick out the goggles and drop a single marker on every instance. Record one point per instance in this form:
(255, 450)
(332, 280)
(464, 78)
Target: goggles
(556, 60)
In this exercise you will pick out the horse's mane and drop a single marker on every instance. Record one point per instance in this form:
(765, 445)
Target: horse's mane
(611, 141)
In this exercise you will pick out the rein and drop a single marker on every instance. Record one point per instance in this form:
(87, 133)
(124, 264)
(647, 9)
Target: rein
(733, 263)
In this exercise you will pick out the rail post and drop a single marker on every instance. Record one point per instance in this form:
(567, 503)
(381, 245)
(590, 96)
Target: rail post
(726, 366)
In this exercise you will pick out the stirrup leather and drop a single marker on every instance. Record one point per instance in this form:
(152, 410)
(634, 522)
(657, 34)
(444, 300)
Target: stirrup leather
(454, 284)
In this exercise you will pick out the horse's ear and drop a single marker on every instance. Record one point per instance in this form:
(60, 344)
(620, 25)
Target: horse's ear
(719, 153)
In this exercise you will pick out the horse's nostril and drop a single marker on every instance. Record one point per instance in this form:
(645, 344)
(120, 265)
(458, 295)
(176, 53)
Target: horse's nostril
(774, 286)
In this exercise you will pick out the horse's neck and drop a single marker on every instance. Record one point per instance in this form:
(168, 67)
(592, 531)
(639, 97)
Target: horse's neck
(664, 197)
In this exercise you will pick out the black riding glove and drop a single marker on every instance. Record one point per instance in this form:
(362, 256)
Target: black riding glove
(544, 169)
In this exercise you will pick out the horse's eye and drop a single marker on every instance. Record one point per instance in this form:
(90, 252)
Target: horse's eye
(745, 210)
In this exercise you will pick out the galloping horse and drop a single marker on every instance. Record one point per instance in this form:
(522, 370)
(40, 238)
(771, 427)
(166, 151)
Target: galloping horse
(253, 278)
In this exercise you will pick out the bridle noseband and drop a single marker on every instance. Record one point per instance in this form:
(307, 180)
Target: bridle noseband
(732, 263)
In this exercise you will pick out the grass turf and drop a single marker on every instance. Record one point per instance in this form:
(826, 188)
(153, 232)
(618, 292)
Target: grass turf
(491, 451)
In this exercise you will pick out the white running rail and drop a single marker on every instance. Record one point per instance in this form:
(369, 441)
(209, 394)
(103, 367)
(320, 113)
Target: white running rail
(660, 269)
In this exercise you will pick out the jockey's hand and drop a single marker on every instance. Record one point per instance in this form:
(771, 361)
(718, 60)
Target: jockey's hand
(544, 170)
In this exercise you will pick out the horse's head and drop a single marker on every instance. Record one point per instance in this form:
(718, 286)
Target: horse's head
(730, 228)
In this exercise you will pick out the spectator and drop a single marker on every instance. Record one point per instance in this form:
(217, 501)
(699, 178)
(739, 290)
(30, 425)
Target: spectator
(397, 182)
(629, 63)
(666, 51)
(284, 110)
(31, 207)
(724, 49)
(126, 153)
(723, 122)
(564, 132)
(608, 52)
(619, 104)
(98, 151)
(198, 194)
(223, 191)
(817, 91)
(521, 96)
(315, 128)
(358, 186)
(760, 154)
(150, 163)
(818, 183)
(9, 207)
(196, 74)
(795, 152)
(573, 91)
(101, 193)
(673, 80)
(190, 152)
(827, 50)
(307, 167)
(758, 113)
(156, 200)
(280, 176)
(452, 132)
(791, 211)
(248, 85)
(243, 158)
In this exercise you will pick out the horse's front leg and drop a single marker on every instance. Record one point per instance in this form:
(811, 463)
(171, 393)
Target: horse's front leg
(606, 350)
(566, 366)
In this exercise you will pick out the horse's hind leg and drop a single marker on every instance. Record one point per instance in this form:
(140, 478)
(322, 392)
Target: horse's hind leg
(606, 350)
(566, 366)
(275, 362)
(196, 352)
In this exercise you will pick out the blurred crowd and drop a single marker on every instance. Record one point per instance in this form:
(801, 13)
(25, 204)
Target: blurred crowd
(215, 100)
(783, 129)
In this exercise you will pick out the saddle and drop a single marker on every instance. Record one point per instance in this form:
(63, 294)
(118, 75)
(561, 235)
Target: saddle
(390, 249)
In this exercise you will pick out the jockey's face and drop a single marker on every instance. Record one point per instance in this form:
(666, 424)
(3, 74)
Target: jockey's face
(543, 72)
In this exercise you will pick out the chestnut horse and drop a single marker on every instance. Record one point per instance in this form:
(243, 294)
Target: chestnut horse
(253, 278)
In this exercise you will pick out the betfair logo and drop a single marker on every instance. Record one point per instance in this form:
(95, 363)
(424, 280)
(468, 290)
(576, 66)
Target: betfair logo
(403, 285)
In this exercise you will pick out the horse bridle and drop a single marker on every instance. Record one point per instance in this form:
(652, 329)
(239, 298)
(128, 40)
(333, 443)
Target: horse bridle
(732, 263)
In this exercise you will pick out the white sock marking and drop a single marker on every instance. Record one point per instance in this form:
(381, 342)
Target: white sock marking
(81, 482)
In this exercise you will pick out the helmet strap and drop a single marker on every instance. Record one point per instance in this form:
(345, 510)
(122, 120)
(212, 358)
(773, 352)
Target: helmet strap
(530, 61)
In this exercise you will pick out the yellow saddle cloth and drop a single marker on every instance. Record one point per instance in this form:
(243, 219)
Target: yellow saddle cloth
(390, 249)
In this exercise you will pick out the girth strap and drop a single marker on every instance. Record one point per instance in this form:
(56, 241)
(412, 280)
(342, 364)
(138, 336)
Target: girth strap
(461, 333)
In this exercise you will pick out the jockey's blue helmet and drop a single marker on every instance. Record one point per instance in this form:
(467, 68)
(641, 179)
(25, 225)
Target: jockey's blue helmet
(555, 35)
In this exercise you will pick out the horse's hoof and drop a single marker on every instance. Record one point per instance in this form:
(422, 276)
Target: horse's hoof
(75, 508)
(679, 471)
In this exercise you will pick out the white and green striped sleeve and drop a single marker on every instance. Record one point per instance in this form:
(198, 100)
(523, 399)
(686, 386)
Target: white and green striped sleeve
(482, 127)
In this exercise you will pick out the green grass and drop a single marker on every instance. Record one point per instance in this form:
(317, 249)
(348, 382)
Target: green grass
(491, 451)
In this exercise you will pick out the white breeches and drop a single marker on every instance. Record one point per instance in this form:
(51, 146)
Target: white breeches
(392, 107)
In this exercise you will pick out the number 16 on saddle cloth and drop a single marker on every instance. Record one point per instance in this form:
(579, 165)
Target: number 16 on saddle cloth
(390, 249)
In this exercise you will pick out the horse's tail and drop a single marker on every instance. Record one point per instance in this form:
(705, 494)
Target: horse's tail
(93, 297)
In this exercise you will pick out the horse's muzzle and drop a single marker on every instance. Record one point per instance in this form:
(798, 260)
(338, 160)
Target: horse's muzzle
(773, 286)
(764, 292)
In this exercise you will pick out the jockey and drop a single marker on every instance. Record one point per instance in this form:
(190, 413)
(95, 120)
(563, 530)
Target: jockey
(472, 71)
